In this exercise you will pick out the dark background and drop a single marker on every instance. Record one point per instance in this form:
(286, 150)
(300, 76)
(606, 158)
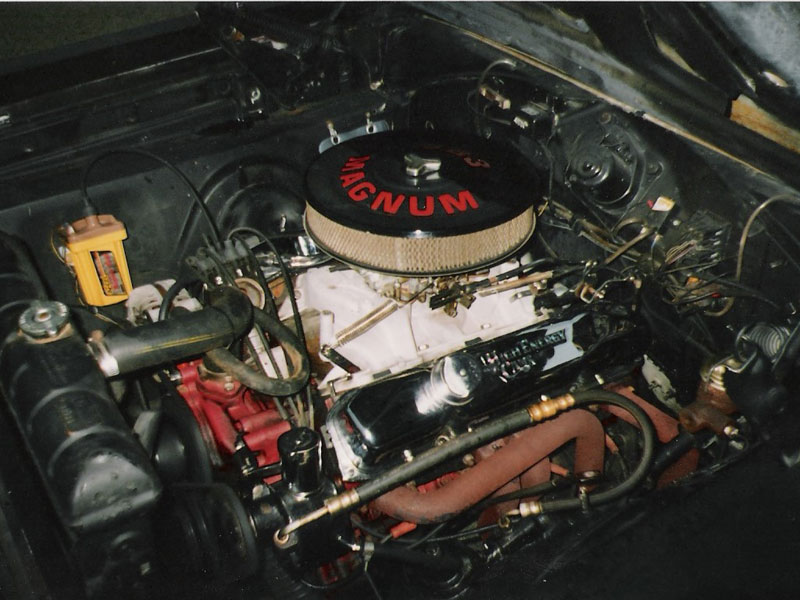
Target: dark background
(28, 28)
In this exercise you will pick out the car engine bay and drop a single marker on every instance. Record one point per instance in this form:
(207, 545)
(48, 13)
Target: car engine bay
(381, 310)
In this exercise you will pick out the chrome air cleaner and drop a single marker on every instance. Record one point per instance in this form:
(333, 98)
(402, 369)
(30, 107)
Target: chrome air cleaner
(420, 203)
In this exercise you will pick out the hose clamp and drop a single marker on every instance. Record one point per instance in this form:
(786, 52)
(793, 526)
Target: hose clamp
(528, 509)
(549, 407)
(98, 349)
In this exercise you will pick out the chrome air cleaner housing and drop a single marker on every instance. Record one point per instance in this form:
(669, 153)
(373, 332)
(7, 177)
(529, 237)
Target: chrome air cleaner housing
(421, 203)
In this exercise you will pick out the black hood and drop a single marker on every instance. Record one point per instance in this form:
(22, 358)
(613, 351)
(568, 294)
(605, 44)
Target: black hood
(709, 71)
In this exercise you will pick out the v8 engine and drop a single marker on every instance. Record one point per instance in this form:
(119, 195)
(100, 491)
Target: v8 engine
(382, 334)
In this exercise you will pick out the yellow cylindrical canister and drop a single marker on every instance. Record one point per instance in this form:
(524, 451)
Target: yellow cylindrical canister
(95, 251)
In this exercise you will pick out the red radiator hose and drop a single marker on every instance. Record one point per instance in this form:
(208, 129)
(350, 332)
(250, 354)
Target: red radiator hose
(517, 456)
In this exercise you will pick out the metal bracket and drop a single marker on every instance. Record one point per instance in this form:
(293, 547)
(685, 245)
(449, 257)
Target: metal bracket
(335, 138)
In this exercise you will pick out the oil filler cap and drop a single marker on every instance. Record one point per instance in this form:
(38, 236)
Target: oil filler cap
(44, 319)
(421, 203)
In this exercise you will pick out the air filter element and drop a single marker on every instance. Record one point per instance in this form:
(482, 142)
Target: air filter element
(420, 203)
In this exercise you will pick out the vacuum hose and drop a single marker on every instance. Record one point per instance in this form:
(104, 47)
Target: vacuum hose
(467, 442)
(296, 358)
(628, 484)
(519, 454)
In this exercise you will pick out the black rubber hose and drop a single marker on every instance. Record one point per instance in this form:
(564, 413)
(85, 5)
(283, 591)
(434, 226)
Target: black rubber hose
(170, 295)
(19, 282)
(456, 447)
(228, 317)
(534, 490)
(638, 474)
(507, 425)
(674, 449)
(500, 427)
(296, 358)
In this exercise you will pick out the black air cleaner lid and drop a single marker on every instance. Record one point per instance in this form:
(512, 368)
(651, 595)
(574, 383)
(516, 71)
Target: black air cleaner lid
(420, 202)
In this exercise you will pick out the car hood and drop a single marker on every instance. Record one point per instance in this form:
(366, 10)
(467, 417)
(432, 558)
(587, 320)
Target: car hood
(711, 72)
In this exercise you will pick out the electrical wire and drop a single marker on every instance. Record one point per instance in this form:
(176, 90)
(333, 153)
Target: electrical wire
(693, 268)
(384, 537)
(473, 108)
(96, 313)
(729, 295)
(259, 331)
(788, 233)
(372, 582)
(89, 206)
(534, 490)
(476, 531)
(425, 538)
(784, 198)
(432, 537)
(53, 247)
(287, 281)
(683, 335)
(476, 92)
(512, 64)
(230, 280)
(360, 524)
(744, 291)
(270, 300)
(641, 236)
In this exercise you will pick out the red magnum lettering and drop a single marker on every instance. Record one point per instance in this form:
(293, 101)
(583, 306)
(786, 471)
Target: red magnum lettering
(362, 191)
(390, 205)
(350, 178)
(451, 204)
(414, 209)
(355, 163)
(358, 189)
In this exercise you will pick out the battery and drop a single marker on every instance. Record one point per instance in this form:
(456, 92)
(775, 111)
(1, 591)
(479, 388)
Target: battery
(95, 251)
